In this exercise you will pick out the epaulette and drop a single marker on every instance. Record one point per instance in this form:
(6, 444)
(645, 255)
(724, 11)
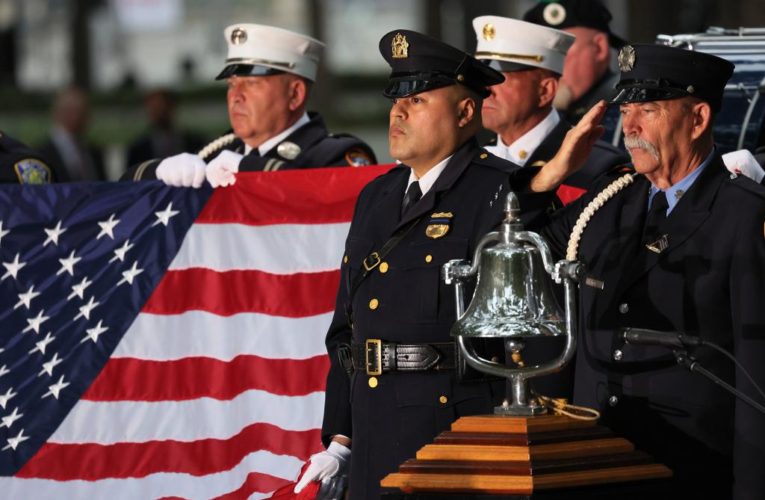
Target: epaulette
(744, 182)
(486, 159)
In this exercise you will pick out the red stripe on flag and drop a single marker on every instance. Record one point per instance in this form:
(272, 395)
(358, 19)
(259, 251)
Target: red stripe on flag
(255, 483)
(92, 462)
(225, 293)
(257, 198)
(192, 378)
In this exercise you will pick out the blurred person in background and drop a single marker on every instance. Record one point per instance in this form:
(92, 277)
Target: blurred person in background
(67, 149)
(587, 76)
(163, 137)
(270, 72)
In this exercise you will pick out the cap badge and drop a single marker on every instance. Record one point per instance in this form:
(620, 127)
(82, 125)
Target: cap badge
(554, 14)
(238, 36)
(288, 150)
(399, 47)
(489, 32)
(690, 89)
(626, 58)
(439, 225)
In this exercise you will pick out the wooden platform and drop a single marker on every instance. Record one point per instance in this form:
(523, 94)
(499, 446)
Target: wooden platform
(522, 455)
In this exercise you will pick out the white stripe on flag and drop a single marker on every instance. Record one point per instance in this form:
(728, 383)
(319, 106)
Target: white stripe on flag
(266, 248)
(170, 337)
(169, 419)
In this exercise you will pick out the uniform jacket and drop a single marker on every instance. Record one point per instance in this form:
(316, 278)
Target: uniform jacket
(316, 148)
(709, 282)
(20, 164)
(390, 422)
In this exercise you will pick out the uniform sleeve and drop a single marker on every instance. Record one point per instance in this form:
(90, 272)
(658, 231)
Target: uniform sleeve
(144, 171)
(337, 400)
(344, 151)
(747, 297)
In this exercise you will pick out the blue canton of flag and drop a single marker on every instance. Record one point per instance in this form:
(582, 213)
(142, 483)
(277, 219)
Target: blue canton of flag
(77, 262)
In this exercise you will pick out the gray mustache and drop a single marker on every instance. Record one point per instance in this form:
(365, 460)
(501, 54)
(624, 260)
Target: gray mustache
(634, 142)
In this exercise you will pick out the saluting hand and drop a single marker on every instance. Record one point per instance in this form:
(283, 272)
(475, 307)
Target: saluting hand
(573, 152)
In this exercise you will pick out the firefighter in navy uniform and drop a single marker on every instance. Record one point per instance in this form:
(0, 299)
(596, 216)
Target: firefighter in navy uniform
(679, 249)
(20, 164)
(392, 386)
(270, 72)
(520, 109)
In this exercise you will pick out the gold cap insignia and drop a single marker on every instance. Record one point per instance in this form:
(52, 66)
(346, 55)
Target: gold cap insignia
(488, 31)
(238, 36)
(399, 47)
(554, 14)
(288, 150)
(626, 58)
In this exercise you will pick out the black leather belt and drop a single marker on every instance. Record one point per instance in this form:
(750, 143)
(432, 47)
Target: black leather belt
(375, 357)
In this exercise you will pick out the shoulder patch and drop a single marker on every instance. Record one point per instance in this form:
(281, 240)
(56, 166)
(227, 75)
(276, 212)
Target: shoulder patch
(357, 157)
(32, 171)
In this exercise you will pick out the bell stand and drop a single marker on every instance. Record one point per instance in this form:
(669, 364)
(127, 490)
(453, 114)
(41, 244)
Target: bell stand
(521, 452)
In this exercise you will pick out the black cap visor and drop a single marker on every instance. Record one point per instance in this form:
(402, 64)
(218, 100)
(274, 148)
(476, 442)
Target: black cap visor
(247, 70)
(640, 92)
(414, 84)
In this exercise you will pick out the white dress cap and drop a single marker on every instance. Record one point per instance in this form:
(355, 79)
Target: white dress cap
(517, 44)
(255, 49)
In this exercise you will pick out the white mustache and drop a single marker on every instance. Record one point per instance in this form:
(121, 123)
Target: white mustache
(634, 142)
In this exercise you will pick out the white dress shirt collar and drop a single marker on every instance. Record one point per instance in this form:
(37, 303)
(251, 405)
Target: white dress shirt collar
(430, 178)
(521, 150)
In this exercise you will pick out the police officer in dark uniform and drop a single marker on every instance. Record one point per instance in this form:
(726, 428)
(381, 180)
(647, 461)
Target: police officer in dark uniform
(520, 110)
(587, 76)
(679, 248)
(270, 72)
(392, 385)
(20, 164)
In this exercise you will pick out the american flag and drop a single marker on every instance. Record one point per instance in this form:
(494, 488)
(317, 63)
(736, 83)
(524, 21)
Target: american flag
(162, 342)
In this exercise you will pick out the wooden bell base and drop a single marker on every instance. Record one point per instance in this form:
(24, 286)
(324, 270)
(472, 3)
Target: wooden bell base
(494, 454)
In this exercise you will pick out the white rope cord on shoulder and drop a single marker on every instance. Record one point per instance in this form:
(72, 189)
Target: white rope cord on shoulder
(216, 145)
(584, 218)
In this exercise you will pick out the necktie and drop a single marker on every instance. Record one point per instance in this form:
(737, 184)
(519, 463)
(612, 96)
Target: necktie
(657, 213)
(412, 196)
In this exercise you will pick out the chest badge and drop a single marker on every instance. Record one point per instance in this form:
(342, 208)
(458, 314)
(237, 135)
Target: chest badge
(439, 225)
(288, 150)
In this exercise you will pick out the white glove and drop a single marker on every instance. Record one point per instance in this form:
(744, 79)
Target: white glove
(326, 465)
(183, 170)
(742, 162)
(222, 169)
